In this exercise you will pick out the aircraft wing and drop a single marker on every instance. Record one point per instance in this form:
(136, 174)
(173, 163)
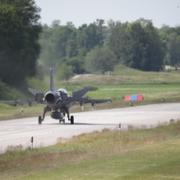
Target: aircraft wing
(38, 96)
(79, 94)
(17, 102)
(87, 100)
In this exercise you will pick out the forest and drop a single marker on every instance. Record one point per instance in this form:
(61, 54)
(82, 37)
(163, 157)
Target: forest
(27, 47)
(99, 46)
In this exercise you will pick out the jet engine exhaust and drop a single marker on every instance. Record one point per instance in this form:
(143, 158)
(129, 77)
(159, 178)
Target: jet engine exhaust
(50, 98)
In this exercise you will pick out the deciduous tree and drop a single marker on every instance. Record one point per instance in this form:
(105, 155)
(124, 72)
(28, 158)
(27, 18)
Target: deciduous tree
(19, 33)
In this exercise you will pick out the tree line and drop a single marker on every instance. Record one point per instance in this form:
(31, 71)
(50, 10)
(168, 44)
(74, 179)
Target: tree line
(26, 46)
(100, 46)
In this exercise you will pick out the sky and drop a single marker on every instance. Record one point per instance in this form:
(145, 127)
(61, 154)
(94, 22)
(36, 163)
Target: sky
(161, 12)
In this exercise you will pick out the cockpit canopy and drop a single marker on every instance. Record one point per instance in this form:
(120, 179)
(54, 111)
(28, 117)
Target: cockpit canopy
(63, 91)
(63, 94)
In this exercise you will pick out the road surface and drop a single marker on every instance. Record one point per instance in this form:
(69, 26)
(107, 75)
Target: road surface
(19, 131)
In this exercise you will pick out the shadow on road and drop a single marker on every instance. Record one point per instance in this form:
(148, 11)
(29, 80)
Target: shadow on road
(78, 124)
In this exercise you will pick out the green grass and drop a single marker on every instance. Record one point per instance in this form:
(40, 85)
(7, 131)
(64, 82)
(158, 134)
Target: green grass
(12, 112)
(135, 154)
(124, 75)
(156, 87)
(153, 93)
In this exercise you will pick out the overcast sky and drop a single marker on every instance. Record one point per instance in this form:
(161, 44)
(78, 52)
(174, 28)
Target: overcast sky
(86, 11)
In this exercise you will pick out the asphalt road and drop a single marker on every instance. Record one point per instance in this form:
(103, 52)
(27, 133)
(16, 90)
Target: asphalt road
(19, 131)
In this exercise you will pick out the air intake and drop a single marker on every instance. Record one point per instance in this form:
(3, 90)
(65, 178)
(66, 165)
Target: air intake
(50, 98)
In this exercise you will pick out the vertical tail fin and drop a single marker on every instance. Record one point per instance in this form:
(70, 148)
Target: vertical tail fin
(51, 83)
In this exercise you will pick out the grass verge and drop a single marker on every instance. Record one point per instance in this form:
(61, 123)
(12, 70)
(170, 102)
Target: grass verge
(135, 154)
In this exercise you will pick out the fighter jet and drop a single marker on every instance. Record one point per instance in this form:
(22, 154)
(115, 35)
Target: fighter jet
(58, 102)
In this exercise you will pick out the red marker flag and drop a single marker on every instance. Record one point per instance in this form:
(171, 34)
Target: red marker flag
(140, 97)
(127, 98)
(133, 98)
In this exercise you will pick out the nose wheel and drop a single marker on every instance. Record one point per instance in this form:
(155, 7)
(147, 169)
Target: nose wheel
(62, 121)
(40, 120)
(72, 120)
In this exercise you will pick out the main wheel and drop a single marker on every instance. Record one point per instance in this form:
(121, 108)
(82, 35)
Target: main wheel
(72, 119)
(39, 120)
(62, 121)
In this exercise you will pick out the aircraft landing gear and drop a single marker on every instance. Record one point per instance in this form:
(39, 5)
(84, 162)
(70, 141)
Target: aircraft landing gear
(72, 119)
(62, 121)
(61, 118)
(40, 120)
